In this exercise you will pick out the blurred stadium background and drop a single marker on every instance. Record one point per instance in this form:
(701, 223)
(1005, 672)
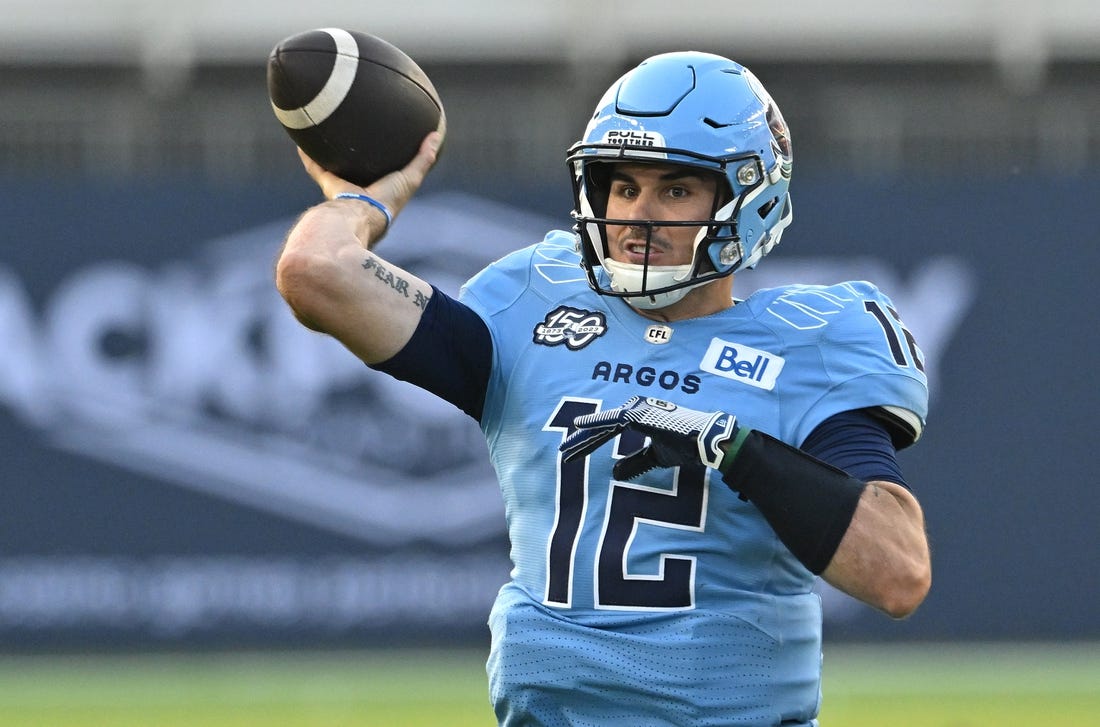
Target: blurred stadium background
(187, 477)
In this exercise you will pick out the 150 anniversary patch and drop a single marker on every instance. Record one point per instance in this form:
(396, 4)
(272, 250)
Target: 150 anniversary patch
(571, 327)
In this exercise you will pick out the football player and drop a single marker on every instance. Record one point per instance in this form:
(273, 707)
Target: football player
(677, 463)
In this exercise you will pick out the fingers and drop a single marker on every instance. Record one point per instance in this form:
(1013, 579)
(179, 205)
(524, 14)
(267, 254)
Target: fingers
(584, 441)
(600, 418)
(329, 183)
(594, 430)
(607, 415)
(416, 170)
(393, 190)
(636, 465)
(396, 189)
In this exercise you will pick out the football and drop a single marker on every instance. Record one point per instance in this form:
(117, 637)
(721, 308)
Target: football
(357, 105)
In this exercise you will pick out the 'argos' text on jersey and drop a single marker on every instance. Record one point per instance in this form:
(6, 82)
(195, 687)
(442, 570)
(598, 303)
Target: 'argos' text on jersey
(623, 373)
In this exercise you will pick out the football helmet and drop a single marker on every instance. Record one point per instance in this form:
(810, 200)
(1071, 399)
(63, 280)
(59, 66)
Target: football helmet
(699, 110)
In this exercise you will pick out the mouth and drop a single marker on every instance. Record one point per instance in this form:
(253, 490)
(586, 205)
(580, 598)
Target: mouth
(634, 251)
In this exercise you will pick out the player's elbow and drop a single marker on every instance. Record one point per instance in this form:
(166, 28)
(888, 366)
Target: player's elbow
(302, 279)
(905, 590)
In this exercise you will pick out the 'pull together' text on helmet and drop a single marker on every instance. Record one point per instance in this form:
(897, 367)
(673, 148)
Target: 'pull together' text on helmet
(699, 110)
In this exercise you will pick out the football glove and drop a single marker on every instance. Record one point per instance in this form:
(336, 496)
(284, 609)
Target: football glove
(678, 435)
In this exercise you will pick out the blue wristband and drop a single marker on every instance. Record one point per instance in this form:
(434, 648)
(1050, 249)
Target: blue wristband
(371, 201)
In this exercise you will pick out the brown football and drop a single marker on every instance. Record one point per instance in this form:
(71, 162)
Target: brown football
(357, 105)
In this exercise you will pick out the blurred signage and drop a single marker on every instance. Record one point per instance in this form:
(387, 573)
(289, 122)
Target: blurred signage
(194, 375)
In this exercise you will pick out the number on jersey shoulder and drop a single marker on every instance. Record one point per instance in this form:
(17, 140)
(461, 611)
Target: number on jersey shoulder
(894, 329)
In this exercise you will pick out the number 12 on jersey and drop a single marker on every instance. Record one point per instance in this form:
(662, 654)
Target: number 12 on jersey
(683, 508)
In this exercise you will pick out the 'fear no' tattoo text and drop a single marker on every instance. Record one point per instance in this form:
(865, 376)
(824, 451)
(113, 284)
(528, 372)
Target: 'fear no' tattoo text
(396, 282)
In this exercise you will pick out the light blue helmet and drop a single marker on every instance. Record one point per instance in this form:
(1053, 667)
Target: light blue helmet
(700, 110)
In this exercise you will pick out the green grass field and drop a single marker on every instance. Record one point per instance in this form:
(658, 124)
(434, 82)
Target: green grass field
(940, 686)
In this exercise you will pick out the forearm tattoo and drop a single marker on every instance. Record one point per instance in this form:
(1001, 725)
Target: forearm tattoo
(396, 282)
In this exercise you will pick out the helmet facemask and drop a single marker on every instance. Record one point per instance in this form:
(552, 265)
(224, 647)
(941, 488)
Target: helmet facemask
(716, 248)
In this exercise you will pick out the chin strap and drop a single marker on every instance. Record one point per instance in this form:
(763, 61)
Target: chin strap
(627, 278)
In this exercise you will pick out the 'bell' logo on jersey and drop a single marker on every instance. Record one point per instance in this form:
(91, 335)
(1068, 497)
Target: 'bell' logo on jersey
(570, 326)
(742, 363)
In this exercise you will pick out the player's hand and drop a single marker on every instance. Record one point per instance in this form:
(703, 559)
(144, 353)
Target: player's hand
(393, 190)
(678, 435)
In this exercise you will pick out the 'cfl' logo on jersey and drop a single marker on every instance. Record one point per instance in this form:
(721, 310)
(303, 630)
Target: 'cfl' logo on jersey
(658, 335)
(742, 363)
(570, 326)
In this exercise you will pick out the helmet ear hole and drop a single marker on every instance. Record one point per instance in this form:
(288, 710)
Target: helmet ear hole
(598, 181)
(724, 195)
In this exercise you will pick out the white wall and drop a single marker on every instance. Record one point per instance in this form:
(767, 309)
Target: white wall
(180, 31)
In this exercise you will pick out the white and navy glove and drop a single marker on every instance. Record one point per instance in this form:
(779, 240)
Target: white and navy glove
(678, 435)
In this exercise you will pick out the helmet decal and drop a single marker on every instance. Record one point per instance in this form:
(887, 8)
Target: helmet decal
(634, 137)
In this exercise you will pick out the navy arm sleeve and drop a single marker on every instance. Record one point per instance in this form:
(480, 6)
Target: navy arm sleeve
(450, 354)
(857, 442)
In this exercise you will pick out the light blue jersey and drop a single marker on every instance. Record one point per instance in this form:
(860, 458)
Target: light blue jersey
(666, 600)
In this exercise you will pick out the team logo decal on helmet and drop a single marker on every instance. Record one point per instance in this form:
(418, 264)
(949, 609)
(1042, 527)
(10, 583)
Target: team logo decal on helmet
(699, 110)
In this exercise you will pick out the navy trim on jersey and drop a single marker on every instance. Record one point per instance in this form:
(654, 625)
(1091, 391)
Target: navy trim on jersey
(859, 443)
(450, 354)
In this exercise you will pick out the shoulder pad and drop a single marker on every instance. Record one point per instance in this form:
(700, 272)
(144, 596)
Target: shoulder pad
(868, 357)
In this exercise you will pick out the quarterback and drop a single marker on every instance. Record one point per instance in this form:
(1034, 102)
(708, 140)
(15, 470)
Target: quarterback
(678, 463)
